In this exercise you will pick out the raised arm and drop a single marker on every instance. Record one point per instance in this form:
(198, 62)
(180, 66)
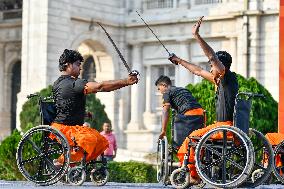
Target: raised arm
(107, 86)
(208, 51)
(196, 70)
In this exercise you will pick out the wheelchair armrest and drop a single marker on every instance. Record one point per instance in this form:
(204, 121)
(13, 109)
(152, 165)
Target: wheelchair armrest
(194, 137)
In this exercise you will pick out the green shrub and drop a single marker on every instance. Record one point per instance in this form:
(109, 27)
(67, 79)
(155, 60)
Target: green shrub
(8, 164)
(131, 172)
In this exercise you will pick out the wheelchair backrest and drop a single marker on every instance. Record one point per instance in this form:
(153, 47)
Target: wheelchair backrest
(48, 111)
(242, 114)
(242, 109)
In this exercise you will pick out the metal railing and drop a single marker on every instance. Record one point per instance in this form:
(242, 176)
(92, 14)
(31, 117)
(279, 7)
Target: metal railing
(10, 14)
(157, 4)
(202, 2)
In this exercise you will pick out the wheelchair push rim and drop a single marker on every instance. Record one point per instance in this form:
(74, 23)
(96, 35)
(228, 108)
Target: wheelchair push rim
(162, 160)
(236, 157)
(37, 154)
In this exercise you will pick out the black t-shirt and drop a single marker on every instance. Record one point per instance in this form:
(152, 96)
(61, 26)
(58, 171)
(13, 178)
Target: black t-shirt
(180, 99)
(227, 90)
(70, 100)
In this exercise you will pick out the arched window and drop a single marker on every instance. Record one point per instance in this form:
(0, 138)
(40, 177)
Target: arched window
(16, 87)
(89, 69)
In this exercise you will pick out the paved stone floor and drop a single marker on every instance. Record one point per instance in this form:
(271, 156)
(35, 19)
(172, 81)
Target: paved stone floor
(110, 185)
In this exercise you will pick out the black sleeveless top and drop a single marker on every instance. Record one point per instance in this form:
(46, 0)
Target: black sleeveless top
(225, 96)
(70, 100)
(180, 99)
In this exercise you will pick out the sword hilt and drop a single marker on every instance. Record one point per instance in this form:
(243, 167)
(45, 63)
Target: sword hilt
(171, 55)
(134, 73)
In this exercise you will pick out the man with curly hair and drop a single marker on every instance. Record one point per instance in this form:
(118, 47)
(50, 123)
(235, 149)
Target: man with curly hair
(69, 93)
(226, 86)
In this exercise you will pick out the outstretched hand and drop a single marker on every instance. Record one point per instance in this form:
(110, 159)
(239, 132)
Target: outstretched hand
(174, 59)
(195, 28)
(132, 79)
(162, 134)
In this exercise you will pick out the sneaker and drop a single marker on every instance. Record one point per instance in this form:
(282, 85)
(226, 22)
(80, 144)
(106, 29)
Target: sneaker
(194, 180)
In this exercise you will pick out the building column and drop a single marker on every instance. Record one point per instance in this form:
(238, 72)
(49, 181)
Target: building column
(150, 119)
(233, 52)
(137, 97)
(183, 76)
(141, 131)
(281, 71)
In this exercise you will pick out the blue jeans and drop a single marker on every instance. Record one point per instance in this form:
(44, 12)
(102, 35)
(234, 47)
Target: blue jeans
(109, 158)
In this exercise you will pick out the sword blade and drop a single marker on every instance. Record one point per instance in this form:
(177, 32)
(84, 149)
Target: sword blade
(117, 50)
(153, 32)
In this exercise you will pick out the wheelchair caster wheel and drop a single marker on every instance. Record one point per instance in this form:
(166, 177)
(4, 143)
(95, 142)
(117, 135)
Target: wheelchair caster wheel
(257, 174)
(99, 176)
(76, 176)
(180, 178)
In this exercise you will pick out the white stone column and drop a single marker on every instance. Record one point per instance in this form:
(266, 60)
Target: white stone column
(233, 52)
(150, 119)
(183, 76)
(148, 89)
(137, 90)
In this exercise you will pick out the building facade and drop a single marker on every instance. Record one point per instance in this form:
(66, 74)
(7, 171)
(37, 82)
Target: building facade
(247, 29)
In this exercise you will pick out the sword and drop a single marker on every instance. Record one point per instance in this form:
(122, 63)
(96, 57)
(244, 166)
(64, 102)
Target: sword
(133, 72)
(170, 54)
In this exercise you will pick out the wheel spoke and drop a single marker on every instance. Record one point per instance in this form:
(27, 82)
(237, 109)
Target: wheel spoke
(35, 146)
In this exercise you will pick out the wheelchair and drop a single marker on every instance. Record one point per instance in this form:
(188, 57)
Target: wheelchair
(225, 157)
(41, 146)
(278, 170)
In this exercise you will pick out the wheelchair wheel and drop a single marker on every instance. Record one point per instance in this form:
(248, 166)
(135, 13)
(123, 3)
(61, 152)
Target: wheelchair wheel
(162, 161)
(278, 168)
(263, 160)
(76, 176)
(180, 178)
(99, 176)
(37, 152)
(224, 157)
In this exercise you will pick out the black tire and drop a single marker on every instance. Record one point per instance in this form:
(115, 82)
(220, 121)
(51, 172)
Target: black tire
(236, 157)
(180, 178)
(162, 161)
(279, 152)
(36, 153)
(262, 152)
(76, 176)
(99, 176)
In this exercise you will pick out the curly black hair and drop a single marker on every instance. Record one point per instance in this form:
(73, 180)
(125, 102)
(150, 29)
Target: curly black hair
(225, 58)
(163, 79)
(69, 56)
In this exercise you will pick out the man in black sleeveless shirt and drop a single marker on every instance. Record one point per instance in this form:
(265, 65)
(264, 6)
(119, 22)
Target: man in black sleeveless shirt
(69, 93)
(225, 81)
(189, 112)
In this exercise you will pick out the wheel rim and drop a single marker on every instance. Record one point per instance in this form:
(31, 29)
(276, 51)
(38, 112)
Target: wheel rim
(162, 160)
(279, 169)
(180, 178)
(99, 177)
(233, 160)
(36, 154)
(76, 176)
(263, 159)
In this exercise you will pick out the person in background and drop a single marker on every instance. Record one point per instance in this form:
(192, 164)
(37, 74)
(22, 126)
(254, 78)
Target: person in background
(110, 152)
